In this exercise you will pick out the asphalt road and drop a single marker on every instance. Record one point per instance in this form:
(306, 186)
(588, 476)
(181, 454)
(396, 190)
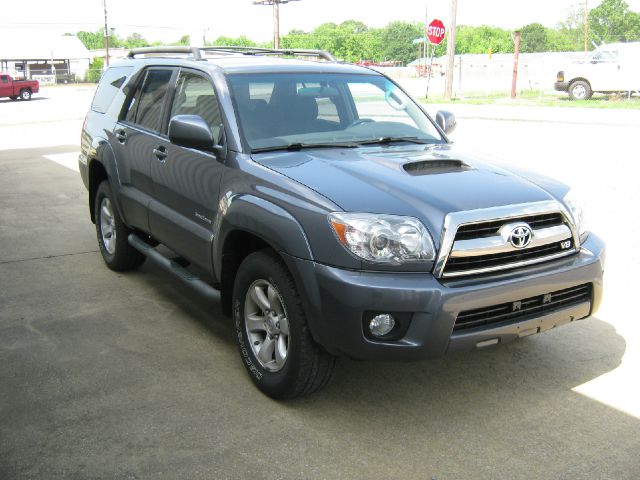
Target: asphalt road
(132, 376)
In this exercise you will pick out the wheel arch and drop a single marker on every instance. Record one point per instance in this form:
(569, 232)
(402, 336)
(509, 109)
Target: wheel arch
(97, 174)
(248, 224)
(100, 166)
(579, 79)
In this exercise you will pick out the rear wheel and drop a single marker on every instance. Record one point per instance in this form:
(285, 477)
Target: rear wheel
(580, 90)
(112, 233)
(272, 332)
(25, 94)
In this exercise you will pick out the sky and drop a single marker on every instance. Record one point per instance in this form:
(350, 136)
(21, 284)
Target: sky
(212, 18)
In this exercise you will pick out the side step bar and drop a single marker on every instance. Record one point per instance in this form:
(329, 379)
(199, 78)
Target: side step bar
(172, 267)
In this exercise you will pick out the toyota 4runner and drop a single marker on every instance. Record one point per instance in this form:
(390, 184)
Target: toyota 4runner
(329, 211)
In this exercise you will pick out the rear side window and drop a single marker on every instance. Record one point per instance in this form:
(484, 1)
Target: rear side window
(110, 83)
(146, 105)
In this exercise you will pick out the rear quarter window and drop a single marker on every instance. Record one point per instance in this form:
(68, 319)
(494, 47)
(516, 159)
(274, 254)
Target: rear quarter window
(110, 84)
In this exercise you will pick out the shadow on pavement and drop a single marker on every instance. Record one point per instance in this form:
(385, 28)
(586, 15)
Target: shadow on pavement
(506, 412)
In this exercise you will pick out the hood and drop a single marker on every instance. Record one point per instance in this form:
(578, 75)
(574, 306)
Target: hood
(426, 182)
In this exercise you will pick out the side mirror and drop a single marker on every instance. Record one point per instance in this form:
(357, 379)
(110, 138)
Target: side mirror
(190, 131)
(446, 121)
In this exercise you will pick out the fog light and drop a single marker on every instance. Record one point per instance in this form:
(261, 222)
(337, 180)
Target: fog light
(382, 324)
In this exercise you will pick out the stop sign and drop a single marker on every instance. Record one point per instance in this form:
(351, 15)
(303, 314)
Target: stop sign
(435, 32)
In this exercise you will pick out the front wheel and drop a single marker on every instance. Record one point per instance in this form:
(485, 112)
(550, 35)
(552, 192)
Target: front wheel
(580, 90)
(112, 233)
(25, 94)
(272, 332)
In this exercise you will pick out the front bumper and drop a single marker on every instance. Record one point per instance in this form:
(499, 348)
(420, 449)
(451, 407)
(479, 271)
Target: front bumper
(336, 301)
(561, 86)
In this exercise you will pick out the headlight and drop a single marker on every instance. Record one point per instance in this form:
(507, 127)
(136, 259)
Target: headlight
(576, 207)
(383, 238)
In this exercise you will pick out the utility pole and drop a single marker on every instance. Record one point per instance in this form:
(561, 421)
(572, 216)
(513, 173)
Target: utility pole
(586, 26)
(276, 24)
(516, 54)
(426, 40)
(276, 17)
(106, 32)
(451, 51)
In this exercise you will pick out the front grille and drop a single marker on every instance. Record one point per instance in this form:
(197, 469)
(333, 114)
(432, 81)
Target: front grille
(479, 262)
(487, 229)
(484, 247)
(521, 310)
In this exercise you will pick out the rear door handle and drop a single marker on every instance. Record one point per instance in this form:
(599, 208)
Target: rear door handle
(121, 135)
(161, 153)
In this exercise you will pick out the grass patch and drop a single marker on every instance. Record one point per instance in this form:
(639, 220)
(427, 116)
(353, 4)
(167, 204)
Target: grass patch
(534, 98)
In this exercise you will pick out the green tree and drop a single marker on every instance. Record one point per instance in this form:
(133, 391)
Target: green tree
(240, 41)
(184, 40)
(483, 38)
(350, 41)
(612, 21)
(534, 38)
(95, 70)
(396, 41)
(92, 40)
(569, 35)
(95, 40)
(135, 40)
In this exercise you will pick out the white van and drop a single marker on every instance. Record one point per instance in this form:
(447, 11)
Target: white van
(612, 68)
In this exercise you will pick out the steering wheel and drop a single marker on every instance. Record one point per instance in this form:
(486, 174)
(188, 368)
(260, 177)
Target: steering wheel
(360, 121)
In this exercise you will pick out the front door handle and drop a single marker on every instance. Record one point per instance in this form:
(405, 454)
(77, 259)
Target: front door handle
(121, 136)
(161, 152)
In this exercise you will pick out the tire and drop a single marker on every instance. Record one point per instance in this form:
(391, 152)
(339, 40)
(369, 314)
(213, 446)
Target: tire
(112, 233)
(25, 94)
(272, 333)
(580, 90)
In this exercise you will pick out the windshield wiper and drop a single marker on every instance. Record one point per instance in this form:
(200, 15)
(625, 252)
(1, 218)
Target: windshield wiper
(387, 140)
(294, 147)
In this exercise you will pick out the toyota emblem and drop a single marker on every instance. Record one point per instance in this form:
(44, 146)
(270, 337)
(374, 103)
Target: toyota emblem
(521, 236)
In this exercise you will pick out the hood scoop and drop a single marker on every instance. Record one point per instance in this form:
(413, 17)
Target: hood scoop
(432, 167)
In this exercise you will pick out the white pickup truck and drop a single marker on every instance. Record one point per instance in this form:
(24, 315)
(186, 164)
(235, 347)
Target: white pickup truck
(612, 68)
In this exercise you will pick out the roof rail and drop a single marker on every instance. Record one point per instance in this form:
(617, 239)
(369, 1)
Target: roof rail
(195, 51)
(271, 51)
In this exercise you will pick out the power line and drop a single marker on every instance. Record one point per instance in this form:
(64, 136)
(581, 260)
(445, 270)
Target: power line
(84, 24)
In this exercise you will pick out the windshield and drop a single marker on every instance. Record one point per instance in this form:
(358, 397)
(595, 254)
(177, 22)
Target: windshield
(284, 110)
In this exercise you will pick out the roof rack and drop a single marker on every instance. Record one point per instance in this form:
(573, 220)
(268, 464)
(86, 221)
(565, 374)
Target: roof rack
(197, 52)
(294, 52)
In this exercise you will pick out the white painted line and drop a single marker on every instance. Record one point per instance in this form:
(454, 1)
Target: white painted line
(69, 160)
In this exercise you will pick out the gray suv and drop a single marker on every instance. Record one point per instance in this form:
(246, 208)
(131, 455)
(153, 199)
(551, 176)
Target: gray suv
(329, 211)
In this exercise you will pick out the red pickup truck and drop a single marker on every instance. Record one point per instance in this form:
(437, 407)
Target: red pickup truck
(17, 89)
